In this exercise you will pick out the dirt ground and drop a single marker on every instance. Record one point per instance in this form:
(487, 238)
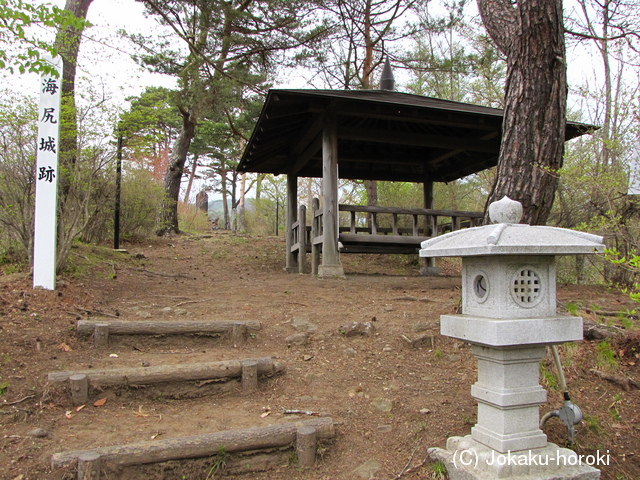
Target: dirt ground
(355, 380)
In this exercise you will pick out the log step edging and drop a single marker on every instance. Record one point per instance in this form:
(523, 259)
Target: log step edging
(164, 327)
(170, 373)
(197, 446)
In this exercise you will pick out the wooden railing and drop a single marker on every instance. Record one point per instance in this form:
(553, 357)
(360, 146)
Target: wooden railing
(375, 229)
(420, 223)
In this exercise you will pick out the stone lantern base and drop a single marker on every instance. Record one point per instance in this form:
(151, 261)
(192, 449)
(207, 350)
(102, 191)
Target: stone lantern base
(467, 459)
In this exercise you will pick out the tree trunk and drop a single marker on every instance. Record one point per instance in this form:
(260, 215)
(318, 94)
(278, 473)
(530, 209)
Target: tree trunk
(223, 190)
(192, 175)
(531, 35)
(168, 218)
(241, 221)
(259, 178)
(67, 44)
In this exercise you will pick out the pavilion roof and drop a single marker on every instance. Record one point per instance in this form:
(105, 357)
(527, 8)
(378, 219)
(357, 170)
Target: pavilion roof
(382, 135)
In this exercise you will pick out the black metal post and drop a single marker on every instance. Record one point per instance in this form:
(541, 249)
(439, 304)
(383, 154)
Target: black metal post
(116, 214)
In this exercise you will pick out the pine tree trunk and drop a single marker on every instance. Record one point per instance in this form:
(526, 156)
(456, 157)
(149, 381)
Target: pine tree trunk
(242, 226)
(67, 44)
(531, 35)
(192, 175)
(168, 218)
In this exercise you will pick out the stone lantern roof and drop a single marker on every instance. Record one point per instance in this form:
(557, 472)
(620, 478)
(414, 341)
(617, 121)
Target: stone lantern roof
(510, 238)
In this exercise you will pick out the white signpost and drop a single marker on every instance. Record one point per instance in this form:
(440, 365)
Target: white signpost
(46, 179)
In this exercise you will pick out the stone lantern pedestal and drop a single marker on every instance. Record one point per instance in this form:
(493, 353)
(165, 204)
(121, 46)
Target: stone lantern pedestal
(509, 317)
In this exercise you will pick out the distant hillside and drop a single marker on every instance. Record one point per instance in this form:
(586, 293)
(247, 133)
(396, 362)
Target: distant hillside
(216, 208)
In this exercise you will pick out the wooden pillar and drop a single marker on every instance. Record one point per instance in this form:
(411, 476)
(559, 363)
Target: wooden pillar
(101, 335)
(302, 239)
(238, 334)
(331, 266)
(315, 232)
(89, 466)
(249, 376)
(291, 263)
(306, 446)
(79, 385)
(429, 264)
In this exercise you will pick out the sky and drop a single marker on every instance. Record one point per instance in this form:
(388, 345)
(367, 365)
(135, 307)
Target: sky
(105, 62)
(106, 70)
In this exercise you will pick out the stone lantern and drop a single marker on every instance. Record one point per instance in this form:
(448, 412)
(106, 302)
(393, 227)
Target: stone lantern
(509, 317)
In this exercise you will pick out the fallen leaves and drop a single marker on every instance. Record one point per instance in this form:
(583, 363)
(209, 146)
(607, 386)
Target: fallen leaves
(100, 403)
(64, 347)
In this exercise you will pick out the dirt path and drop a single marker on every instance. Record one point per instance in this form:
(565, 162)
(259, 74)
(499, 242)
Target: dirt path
(355, 380)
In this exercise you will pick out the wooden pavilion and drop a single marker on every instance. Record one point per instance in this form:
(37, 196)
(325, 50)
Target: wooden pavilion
(369, 135)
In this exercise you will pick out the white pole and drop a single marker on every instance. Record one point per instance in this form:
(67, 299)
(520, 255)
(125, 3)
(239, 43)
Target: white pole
(46, 180)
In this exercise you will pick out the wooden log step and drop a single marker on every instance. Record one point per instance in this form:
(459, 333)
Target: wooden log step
(196, 446)
(164, 327)
(170, 373)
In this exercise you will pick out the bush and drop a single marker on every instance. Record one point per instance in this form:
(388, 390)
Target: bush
(140, 199)
(192, 219)
(18, 131)
(261, 216)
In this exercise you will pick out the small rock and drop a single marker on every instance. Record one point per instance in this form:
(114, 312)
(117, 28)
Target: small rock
(145, 364)
(180, 311)
(382, 404)
(143, 314)
(38, 432)
(454, 357)
(301, 324)
(350, 352)
(420, 327)
(367, 470)
(387, 349)
(297, 339)
(306, 398)
(357, 328)
(139, 256)
(166, 310)
(306, 358)
(424, 411)
(385, 428)
(422, 340)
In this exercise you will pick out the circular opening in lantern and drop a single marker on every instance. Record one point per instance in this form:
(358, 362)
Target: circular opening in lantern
(481, 287)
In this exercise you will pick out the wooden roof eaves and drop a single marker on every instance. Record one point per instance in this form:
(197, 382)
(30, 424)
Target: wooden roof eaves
(454, 174)
(376, 106)
(438, 158)
(386, 98)
(416, 140)
(434, 118)
(297, 163)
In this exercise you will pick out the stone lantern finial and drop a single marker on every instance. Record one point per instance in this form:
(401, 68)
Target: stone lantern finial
(505, 211)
